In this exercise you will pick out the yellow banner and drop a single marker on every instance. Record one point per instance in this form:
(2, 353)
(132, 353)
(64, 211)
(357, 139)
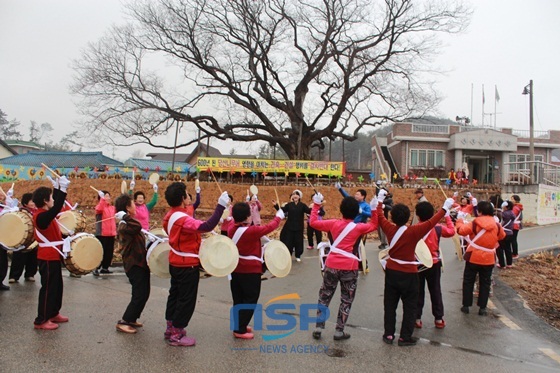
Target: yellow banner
(270, 166)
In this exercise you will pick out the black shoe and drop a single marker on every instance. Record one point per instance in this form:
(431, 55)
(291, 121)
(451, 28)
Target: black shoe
(388, 339)
(411, 341)
(465, 309)
(105, 271)
(4, 287)
(95, 272)
(338, 336)
(483, 312)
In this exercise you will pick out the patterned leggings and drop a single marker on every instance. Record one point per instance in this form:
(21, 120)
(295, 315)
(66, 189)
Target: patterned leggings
(348, 283)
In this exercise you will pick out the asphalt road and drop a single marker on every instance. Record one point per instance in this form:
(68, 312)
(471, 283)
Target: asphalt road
(510, 339)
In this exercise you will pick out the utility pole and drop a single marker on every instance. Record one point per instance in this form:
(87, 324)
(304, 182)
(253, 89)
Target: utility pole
(529, 90)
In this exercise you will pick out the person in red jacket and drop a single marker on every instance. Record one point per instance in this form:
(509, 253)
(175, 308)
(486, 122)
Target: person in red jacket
(245, 281)
(49, 202)
(483, 235)
(401, 272)
(184, 238)
(341, 264)
(432, 276)
(517, 224)
(105, 230)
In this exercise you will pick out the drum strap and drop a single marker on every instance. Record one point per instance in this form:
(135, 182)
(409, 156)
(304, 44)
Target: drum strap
(394, 241)
(476, 246)
(334, 249)
(66, 243)
(238, 233)
(172, 220)
(7, 209)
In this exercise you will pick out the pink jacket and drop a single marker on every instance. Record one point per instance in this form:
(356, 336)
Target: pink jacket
(105, 226)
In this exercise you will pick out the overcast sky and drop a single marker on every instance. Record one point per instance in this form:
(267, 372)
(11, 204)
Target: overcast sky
(508, 43)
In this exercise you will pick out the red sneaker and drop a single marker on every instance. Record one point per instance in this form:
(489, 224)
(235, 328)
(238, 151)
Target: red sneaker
(440, 324)
(244, 336)
(249, 329)
(46, 326)
(59, 318)
(418, 324)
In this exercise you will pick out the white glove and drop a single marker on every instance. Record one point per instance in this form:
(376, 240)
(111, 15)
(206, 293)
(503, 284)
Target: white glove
(373, 203)
(53, 182)
(360, 210)
(337, 185)
(229, 218)
(474, 202)
(12, 202)
(155, 188)
(469, 194)
(10, 192)
(280, 214)
(224, 199)
(504, 204)
(461, 215)
(254, 198)
(197, 190)
(448, 204)
(496, 219)
(318, 198)
(456, 194)
(132, 184)
(381, 195)
(120, 215)
(101, 194)
(447, 213)
(247, 198)
(63, 182)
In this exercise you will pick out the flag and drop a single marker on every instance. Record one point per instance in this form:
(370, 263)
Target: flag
(497, 94)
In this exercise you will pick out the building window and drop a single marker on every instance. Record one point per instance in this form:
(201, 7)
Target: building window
(518, 161)
(426, 158)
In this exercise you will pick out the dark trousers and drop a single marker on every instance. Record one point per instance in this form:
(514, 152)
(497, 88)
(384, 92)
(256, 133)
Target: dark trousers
(505, 250)
(313, 232)
(245, 289)
(50, 295)
(3, 264)
(23, 261)
(400, 286)
(140, 280)
(108, 244)
(382, 236)
(182, 295)
(514, 246)
(432, 276)
(293, 240)
(485, 280)
(348, 284)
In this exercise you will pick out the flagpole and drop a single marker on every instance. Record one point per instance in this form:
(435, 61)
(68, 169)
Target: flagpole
(472, 96)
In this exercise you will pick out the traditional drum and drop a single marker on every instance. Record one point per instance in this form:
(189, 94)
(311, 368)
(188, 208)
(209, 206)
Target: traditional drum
(218, 255)
(71, 222)
(158, 253)
(85, 255)
(277, 258)
(423, 255)
(16, 229)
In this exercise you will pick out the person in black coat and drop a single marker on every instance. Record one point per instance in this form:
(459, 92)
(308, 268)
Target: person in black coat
(387, 206)
(292, 232)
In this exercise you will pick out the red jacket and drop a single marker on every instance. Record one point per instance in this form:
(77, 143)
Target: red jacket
(250, 244)
(105, 219)
(489, 240)
(44, 222)
(405, 247)
(432, 240)
(335, 227)
(518, 212)
(185, 237)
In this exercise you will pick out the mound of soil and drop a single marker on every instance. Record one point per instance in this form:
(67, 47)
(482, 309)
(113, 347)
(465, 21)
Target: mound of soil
(535, 278)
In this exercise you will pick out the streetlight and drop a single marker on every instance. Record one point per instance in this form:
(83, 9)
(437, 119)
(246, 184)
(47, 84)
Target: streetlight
(528, 90)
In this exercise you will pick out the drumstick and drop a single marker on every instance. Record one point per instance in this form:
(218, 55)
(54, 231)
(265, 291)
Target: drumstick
(92, 187)
(311, 185)
(4, 193)
(218, 184)
(277, 199)
(439, 185)
(51, 171)
(99, 221)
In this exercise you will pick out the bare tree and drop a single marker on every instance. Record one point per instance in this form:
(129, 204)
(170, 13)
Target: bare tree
(293, 73)
(9, 129)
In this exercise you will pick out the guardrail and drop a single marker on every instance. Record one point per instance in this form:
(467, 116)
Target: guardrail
(520, 173)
